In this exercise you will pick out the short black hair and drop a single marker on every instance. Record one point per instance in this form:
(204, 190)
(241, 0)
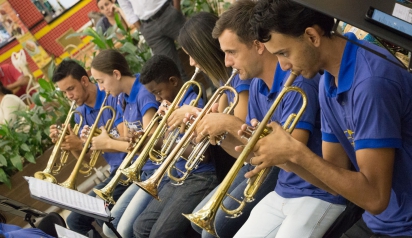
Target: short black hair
(237, 19)
(158, 68)
(286, 17)
(67, 68)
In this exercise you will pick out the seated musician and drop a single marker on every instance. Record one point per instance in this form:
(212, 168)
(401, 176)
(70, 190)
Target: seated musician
(72, 79)
(112, 73)
(366, 113)
(164, 218)
(211, 61)
(293, 199)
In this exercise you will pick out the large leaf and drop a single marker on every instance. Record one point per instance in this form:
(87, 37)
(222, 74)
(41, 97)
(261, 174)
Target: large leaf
(25, 147)
(45, 84)
(3, 161)
(4, 178)
(4, 142)
(29, 157)
(36, 99)
(129, 48)
(35, 118)
(97, 38)
(16, 161)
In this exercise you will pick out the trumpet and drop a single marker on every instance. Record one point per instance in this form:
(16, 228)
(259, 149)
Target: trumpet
(132, 172)
(52, 169)
(88, 167)
(106, 193)
(71, 181)
(148, 151)
(204, 218)
(196, 156)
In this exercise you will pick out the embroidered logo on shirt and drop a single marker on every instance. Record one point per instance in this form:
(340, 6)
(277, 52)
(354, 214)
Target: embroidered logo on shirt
(349, 134)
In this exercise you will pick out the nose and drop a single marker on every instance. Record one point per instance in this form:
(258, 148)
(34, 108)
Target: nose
(284, 64)
(192, 62)
(69, 95)
(158, 98)
(100, 87)
(228, 61)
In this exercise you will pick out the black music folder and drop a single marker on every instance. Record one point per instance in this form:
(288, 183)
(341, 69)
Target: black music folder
(19, 209)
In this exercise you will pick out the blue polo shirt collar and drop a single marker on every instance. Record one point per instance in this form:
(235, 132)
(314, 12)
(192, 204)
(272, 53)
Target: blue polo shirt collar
(135, 90)
(99, 100)
(277, 83)
(346, 71)
(189, 91)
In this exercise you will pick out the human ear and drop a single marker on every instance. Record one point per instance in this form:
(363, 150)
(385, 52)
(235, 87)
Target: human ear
(117, 75)
(84, 79)
(260, 47)
(313, 34)
(173, 80)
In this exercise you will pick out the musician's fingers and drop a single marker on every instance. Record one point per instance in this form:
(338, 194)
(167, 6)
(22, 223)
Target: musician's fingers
(212, 140)
(239, 148)
(253, 172)
(182, 128)
(254, 122)
(215, 107)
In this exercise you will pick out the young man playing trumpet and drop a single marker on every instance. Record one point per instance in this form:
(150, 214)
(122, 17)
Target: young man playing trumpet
(366, 117)
(73, 81)
(163, 218)
(297, 208)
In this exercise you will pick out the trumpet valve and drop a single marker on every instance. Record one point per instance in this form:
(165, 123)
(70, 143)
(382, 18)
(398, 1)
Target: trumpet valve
(247, 134)
(220, 138)
(265, 132)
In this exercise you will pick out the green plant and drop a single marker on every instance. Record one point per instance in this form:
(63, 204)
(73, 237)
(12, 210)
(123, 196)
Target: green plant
(132, 45)
(190, 7)
(28, 137)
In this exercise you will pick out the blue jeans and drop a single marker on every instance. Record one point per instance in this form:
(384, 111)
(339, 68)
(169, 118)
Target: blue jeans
(227, 227)
(129, 206)
(164, 218)
(83, 224)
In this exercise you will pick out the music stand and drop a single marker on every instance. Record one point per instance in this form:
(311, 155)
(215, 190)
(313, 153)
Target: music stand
(20, 209)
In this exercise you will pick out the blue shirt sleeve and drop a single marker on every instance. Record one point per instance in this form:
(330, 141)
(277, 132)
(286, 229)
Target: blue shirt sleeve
(377, 114)
(146, 100)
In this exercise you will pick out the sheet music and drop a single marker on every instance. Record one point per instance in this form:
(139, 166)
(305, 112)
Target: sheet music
(66, 233)
(66, 197)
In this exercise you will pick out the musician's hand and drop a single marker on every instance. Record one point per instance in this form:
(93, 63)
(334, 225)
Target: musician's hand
(190, 117)
(163, 107)
(208, 126)
(245, 130)
(277, 148)
(176, 119)
(72, 141)
(100, 142)
(54, 133)
(84, 133)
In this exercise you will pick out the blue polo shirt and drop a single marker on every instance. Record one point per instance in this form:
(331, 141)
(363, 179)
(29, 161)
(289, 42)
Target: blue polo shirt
(89, 117)
(12, 231)
(289, 185)
(180, 165)
(137, 103)
(372, 108)
(239, 85)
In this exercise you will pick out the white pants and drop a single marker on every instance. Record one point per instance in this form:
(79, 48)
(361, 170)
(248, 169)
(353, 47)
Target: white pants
(280, 217)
